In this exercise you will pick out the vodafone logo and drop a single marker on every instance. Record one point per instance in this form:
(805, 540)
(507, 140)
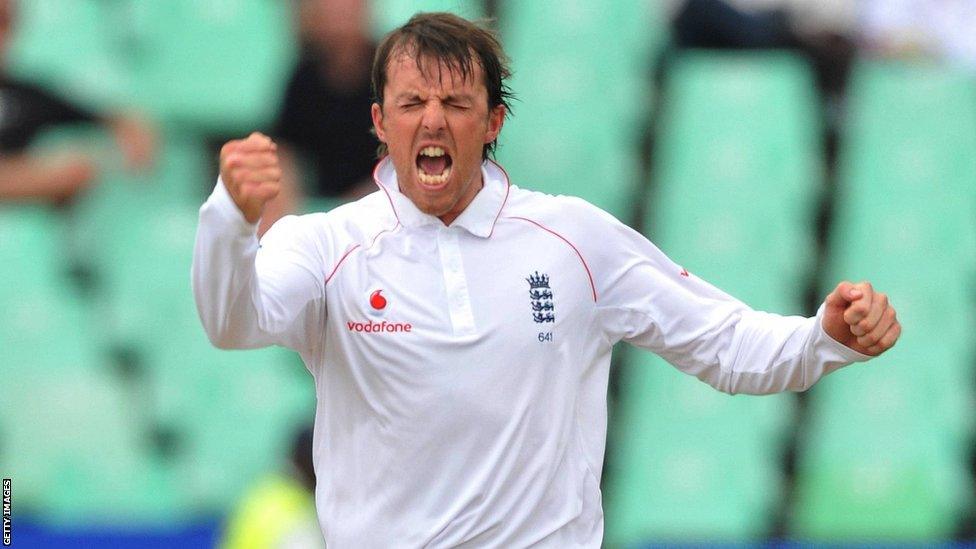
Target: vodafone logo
(377, 306)
(373, 327)
(377, 301)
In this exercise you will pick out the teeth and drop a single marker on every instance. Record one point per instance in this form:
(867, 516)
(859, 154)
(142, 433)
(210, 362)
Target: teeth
(432, 151)
(428, 179)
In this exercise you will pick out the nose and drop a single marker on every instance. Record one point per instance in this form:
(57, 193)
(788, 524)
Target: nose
(434, 120)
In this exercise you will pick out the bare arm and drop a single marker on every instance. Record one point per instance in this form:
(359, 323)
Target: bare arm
(25, 177)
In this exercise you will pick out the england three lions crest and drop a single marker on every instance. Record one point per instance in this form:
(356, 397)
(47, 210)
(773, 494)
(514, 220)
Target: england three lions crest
(540, 298)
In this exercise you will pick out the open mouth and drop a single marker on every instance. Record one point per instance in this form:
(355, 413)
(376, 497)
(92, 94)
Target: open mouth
(433, 166)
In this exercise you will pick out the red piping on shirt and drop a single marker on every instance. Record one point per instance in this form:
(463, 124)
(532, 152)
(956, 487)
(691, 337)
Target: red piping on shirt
(564, 239)
(377, 235)
(371, 242)
(508, 187)
(382, 186)
(351, 250)
(336, 268)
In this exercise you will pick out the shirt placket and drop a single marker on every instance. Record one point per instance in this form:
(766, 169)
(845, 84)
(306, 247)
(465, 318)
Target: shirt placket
(455, 281)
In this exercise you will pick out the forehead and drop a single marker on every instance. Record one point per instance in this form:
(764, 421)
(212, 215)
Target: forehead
(404, 73)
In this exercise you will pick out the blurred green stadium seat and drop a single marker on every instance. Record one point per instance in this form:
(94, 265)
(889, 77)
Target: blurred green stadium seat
(218, 66)
(879, 460)
(389, 14)
(70, 436)
(886, 451)
(690, 464)
(738, 180)
(72, 446)
(236, 419)
(580, 106)
(44, 325)
(83, 57)
(137, 229)
(31, 246)
(909, 143)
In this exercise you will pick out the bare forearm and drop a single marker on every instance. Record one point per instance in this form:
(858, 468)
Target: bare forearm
(26, 177)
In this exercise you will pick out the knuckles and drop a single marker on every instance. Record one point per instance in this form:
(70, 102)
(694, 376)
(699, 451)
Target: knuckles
(228, 148)
(868, 340)
(873, 336)
(232, 160)
(238, 167)
(886, 342)
(892, 337)
(250, 170)
(865, 325)
(855, 314)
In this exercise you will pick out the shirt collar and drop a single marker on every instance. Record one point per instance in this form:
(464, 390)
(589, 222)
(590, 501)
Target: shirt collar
(478, 218)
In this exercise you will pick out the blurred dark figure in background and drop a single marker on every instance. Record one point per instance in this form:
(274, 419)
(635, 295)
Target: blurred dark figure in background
(943, 30)
(324, 128)
(279, 511)
(26, 110)
(722, 24)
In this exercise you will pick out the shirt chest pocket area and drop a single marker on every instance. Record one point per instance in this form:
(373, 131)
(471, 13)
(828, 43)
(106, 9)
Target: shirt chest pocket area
(534, 306)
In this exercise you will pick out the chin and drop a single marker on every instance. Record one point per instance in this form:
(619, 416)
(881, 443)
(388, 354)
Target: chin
(435, 210)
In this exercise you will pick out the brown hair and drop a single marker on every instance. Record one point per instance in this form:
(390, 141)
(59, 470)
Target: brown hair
(461, 45)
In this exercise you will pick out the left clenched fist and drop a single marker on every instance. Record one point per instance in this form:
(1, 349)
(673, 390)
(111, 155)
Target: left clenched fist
(861, 318)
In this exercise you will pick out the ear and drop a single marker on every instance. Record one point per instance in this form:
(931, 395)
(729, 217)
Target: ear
(376, 111)
(496, 119)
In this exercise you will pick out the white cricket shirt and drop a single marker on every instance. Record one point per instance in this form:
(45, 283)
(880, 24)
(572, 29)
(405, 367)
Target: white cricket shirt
(461, 371)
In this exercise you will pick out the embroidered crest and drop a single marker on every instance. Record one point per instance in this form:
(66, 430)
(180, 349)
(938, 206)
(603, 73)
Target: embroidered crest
(540, 296)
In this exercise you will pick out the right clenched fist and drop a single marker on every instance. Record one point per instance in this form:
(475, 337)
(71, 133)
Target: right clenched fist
(250, 171)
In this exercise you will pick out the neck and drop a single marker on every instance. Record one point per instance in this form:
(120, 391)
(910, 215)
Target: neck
(470, 193)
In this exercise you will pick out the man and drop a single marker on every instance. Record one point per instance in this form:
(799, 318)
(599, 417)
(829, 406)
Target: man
(323, 124)
(459, 328)
(26, 110)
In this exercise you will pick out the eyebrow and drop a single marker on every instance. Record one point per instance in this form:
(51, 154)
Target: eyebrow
(450, 97)
(459, 97)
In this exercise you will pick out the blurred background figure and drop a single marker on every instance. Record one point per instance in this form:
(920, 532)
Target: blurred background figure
(323, 128)
(821, 32)
(27, 109)
(935, 29)
(278, 512)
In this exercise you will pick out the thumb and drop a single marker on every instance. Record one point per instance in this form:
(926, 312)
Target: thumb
(844, 294)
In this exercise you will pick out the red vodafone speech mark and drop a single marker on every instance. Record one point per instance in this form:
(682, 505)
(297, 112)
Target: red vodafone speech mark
(377, 301)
